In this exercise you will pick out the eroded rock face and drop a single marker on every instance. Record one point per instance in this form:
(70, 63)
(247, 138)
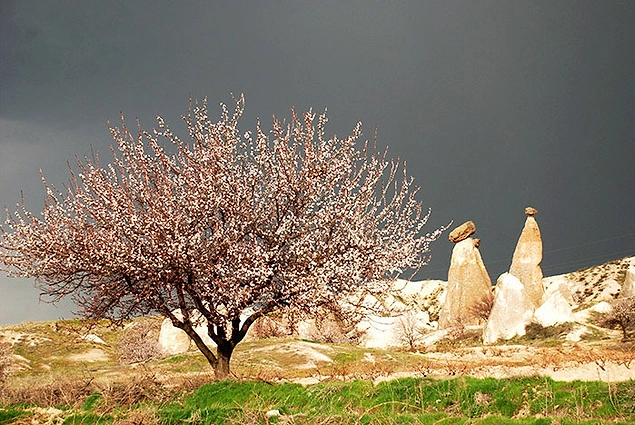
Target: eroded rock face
(172, 339)
(527, 258)
(611, 290)
(462, 232)
(554, 311)
(468, 283)
(512, 310)
(407, 309)
(628, 287)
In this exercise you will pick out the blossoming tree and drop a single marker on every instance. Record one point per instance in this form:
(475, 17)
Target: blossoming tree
(225, 226)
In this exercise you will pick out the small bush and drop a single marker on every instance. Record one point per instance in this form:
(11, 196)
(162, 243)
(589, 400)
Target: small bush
(270, 327)
(6, 362)
(537, 331)
(139, 343)
(409, 332)
(481, 309)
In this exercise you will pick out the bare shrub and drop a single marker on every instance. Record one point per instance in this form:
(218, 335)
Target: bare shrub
(60, 392)
(457, 330)
(136, 389)
(481, 309)
(330, 330)
(140, 416)
(622, 316)
(270, 327)
(6, 362)
(409, 332)
(139, 343)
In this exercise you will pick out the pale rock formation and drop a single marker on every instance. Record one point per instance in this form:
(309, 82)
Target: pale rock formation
(468, 283)
(406, 308)
(172, 339)
(554, 310)
(512, 310)
(527, 258)
(175, 341)
(602, 307)
(559, 284)
(462, 232)
(94, 338)
(628, 287)
(611, 290)
(386, 332)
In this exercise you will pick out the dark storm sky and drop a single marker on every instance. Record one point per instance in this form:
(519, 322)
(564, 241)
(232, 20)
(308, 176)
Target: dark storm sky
(494, 105)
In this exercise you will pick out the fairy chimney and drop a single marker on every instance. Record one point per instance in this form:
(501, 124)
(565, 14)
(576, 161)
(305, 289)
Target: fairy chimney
(527, 258)
(468, 280)
(511, 312)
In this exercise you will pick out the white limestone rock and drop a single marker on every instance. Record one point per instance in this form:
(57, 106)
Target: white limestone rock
(553, 311)
(602, 307)
(388, 332)
(172, 339)
(628, 287)
(407, 304)
(512, 310)
(94, 338)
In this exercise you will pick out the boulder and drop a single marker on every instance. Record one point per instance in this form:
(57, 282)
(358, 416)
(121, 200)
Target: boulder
(628, 287)
(462, 232)
(512, 310)
(93, 338)
(175, 341)
(576, 334)
(602, 307)
(468, 284)
(527, 258)
(530, 211)
(172, 339)
(554, 310)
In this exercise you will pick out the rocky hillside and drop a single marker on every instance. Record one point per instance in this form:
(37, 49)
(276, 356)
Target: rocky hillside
(596, 283)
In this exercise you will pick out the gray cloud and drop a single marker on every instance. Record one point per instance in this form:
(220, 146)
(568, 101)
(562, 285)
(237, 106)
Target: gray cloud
(494, 105)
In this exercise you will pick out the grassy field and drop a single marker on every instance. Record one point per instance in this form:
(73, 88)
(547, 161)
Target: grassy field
(60, 378)
(462, 400)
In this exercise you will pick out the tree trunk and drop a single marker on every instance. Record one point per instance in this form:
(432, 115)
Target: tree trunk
(223, 356)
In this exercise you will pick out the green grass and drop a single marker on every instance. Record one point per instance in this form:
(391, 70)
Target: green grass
(410, 400)
(10, 414)
(464, 400)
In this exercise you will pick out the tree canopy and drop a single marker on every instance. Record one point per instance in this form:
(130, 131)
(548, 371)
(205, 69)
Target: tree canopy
(226, 226)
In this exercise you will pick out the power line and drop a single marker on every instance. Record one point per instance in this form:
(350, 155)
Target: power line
(590, 243)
